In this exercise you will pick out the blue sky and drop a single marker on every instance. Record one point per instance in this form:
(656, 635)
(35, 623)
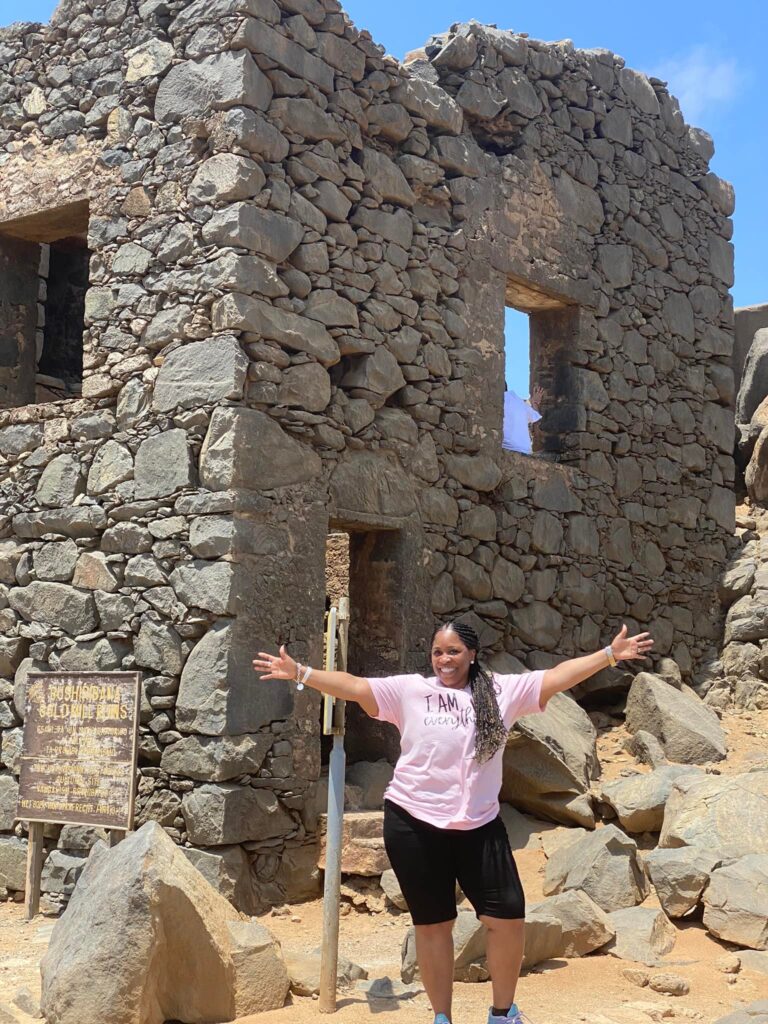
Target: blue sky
(711, 55)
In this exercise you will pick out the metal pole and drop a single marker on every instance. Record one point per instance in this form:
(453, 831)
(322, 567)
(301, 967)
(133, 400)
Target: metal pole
(335, 822)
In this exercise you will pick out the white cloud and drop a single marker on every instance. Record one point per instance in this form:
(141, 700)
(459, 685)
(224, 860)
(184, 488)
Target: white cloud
(701, 79)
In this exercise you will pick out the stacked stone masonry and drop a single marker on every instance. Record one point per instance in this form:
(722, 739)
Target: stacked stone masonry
(300, 255)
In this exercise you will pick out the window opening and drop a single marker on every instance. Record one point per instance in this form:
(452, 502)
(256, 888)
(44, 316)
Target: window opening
(45, 260)
(540, 404)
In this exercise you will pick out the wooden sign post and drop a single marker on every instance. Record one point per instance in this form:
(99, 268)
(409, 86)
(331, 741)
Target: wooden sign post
(78, 759)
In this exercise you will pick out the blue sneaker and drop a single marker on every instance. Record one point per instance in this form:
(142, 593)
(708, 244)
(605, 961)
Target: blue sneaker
(514, 1016)
(440, 1018)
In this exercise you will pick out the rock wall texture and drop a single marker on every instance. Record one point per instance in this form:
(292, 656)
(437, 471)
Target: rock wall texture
(300, 255)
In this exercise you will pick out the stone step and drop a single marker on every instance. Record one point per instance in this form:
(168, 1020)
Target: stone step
(362, 845)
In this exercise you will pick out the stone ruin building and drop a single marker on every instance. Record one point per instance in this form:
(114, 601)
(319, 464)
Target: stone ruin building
(253, 275)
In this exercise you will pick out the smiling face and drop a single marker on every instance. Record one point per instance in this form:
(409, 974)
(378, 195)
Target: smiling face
(451, 659)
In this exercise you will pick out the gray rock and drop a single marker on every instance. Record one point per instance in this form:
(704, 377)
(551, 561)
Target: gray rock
(158, 646)
(392, 890)
(227, 177)
(216, 759)
(10, 753)
(747, 619)
(249, 130)
(201, 373)
(208, 585)
(543, 934)
(604, 864)
(430, 102)
(227, 869)
(92, 656)
(298, 333)
(80, 838)
(163, 465)
(680, 876)
(55, 561)
(549, 762)
(736, 902)
(112, 464)
(126, 538)
(286, 53)
(215, 83)
(9, 794)
(307, 386)
(212, 536)
(125, 913)
(688, 730)
(305, 118)
(479, 472)
(81, 521)
(480, 102)
(20, 438)
(13, 863)
(643, 934)
(754, 378)
(93, 572)
(387, 178)
(585, 926)
(55, 604)
(61, 872)
(61, 482)
(262, 231)
(378, 374)
(639, 800)
(717, 813)
(737, 580)
(517, 90)
(247, 448)
(217, 815)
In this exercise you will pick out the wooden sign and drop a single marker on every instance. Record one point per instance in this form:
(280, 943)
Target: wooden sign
(78, 759)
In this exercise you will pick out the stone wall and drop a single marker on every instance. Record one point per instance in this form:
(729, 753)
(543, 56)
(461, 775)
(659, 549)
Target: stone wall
(300, 256)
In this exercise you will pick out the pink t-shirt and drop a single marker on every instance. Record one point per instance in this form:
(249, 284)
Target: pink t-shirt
(437, 778)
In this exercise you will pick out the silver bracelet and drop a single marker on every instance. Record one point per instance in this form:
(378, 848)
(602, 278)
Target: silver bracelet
(608, 651)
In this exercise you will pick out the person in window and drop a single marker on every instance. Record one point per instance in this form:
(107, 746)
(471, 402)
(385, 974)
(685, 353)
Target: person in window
(441, 810)
(519, 416)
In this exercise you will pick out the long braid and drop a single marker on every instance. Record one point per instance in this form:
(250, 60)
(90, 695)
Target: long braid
(490, 731)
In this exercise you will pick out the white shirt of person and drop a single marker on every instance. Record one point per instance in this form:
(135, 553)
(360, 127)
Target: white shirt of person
(517, 417)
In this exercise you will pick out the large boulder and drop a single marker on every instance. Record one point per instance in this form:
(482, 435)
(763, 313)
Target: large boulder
(756, 473)
(736, 902)
(643, 934)
(724, 815)
(155, 943)
(680, 876)
(549, 762)
(687, 729)
(754, 378)
(584, 925)
(639, 800)
(604, 864)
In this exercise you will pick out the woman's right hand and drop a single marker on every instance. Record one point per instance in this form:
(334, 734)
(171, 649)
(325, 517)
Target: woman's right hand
(271, 667)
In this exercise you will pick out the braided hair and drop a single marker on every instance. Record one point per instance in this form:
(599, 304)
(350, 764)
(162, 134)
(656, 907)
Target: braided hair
(490, 731)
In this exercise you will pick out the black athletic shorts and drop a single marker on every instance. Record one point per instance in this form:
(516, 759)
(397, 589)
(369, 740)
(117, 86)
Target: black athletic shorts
(428, 861)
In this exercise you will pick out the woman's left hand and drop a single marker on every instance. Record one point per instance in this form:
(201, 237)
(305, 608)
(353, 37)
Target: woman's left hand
(626, 648)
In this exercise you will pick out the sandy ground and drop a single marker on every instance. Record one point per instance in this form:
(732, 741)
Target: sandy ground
(590, 990)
